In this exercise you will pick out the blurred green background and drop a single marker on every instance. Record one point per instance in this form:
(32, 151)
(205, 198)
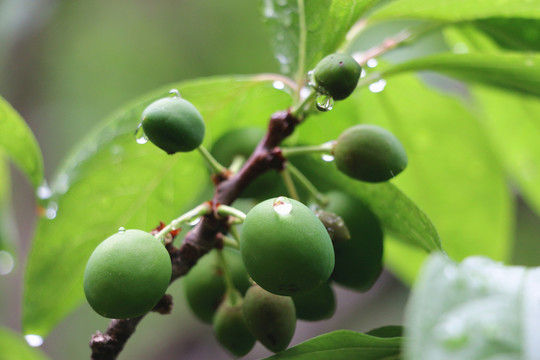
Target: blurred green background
(65, 65)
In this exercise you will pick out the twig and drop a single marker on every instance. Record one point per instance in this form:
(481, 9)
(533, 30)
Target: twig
(207, 233)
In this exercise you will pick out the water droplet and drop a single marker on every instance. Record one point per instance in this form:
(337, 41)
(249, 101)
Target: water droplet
(324, 102)
(269, 11)
(44, 192)
(140, 136)
(174, 93)
(279, 85)
(282, 205)
(34, 340)
(51, 211)
(371, 63)
(195, 221)
(121, 230)
(327, 157)
(362, 73)
(377, 86)
(6, 263)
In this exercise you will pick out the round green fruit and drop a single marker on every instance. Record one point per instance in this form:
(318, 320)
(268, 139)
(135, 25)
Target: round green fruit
(337, 75)
(173, 124)
(369, 153)
(285, 247)
(359, 260)
(127, 274)
(230, 328)
(204, 285)
(318, 304)
(270, 318)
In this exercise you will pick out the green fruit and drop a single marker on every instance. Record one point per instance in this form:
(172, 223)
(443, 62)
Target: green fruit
(285, 248)
(270, 318)
(127, 274)
(369, 153)
(337, 75)
(239, 144)
(359, 261)
(204, 285)
(173, 124)
(230, 328)
(318, 304)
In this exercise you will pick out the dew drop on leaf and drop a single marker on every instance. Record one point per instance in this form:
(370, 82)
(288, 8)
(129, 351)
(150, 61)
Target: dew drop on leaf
(377, 86)
(174, 93)
(51, 211)
(279, 85)
(140, 136)
(44, 192)
(6, 263)
(327, 158)
(371, 63)
(282, 205)
(34, 340)
(324, 102)
(121, 230)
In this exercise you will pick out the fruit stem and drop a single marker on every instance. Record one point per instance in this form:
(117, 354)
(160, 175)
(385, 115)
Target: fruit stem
(302, 179)
(216, 167)
(289, 184)
(299, 110)
(197, 211)
(230, 242)
(326, 148)
(226, 210)
(231, 291)
(237, 163)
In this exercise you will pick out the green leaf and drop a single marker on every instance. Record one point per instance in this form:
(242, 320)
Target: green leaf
(344, 345)
(399, 216)
(110, 181)
(515, 71)
(20, 145)
(387, 331)
(7, 224)
(513, 124)
(14, 347)
(478, 309)
(458, 10)
(512, 34)
(304, 31)
(464, 195)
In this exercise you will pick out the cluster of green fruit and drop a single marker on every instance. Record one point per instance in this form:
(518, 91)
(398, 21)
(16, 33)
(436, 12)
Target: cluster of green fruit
(289, 254)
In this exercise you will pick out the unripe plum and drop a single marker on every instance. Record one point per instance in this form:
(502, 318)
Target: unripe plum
(127, 274)
(337, 75)
(359, 259)
(173, 124)
(285, 247)
(204, 285)
(270, 318)
(369, 153)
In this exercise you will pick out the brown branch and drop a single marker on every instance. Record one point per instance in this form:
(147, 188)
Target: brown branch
(206, 235)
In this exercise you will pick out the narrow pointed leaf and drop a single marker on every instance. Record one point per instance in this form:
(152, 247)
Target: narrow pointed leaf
(18, 142)
(458, 10)
(344, 345)
(515, 71)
